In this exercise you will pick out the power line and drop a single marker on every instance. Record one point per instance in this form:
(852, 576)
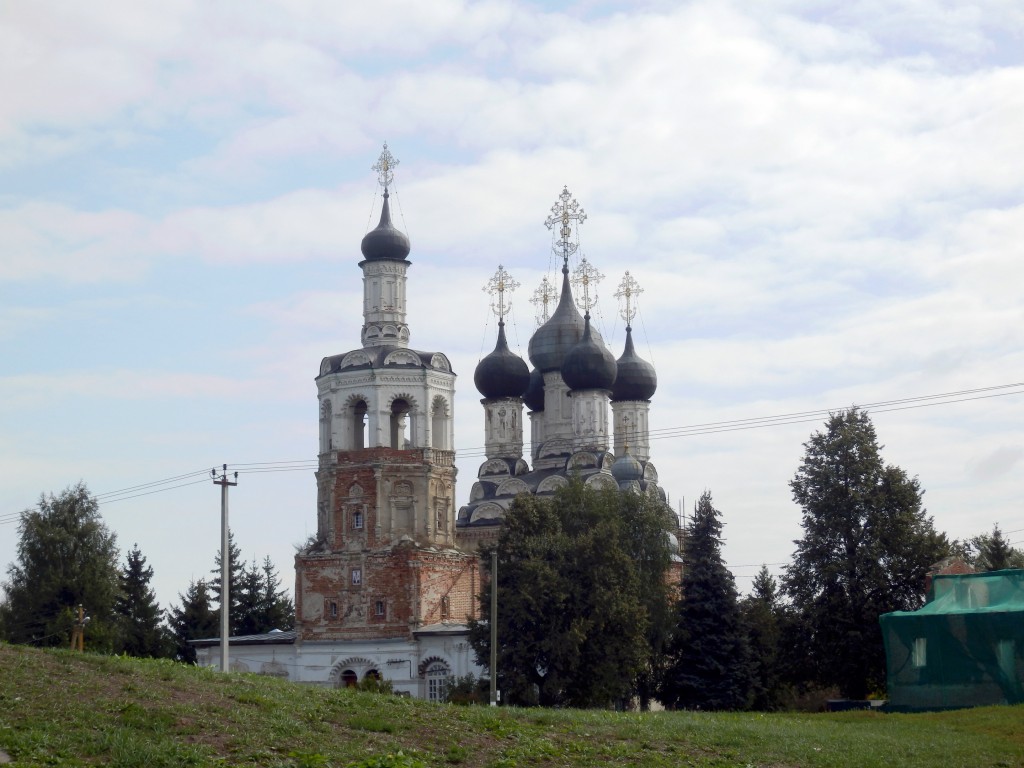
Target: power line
(668, 433)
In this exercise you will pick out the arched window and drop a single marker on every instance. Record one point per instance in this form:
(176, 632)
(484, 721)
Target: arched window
(372, 674)
(437, 681)
(349, 679)
(400, 424)
(446, 607)
(357, 414)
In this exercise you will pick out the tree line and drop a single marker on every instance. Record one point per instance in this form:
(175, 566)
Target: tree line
(603, 598)
(66, 557)
(591, 614)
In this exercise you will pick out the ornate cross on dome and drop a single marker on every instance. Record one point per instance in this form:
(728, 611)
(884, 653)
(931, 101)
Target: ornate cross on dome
(543, 299)
(385, 167)
(629, 289)
(585, 279)
(499, 285)
(564, 212)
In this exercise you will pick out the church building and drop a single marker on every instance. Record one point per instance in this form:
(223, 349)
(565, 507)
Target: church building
(385, 588)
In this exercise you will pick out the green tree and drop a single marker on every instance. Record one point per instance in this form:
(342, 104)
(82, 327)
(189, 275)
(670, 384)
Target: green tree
(140, 628)
(650, 541)
(236, 571)
(992, 552)
(66, 556)
(866, 548)
(710, 666)
(277, 608)
(196, 619)
(761, 611)
(262, 605)
(572, 623)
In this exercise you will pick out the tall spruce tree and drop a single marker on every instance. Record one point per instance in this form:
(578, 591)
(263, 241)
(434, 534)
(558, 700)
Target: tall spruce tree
(992, 552)
(866, 548)
(236, 571)
(710, 667)
(140, 627)
(761, 614)
(262, 605)
(66, 556)
(196, 619)
(572, 625)
(278, 610)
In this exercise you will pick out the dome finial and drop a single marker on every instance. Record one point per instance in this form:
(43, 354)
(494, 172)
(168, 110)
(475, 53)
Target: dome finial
(628, 291)
(498, 286)
(564, 212)
(585, 279)
(385, 242)
(545, 297)
(385, 168)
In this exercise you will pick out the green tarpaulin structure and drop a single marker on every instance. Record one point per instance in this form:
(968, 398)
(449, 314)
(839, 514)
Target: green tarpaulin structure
(963, 648)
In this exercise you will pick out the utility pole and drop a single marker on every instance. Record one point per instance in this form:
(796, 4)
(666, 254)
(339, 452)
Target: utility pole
(225, 561)
(494, 628)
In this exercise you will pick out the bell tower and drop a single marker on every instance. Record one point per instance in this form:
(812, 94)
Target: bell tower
(384, 560)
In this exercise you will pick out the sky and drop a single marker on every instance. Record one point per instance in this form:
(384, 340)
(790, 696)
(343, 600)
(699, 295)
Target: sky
(822, 202)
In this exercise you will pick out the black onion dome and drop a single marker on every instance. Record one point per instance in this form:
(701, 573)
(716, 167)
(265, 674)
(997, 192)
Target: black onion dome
(559, 334)
(385, 243)
(502, 373)
(626, 468)
(589, 364)
(637, 379)
(534, 395)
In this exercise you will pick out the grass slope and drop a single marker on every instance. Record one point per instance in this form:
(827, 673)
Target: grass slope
(63, 708)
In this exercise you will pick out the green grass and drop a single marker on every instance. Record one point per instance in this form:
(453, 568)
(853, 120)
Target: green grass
(61, 708)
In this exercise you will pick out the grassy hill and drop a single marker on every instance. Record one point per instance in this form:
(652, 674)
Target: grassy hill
(62, 708)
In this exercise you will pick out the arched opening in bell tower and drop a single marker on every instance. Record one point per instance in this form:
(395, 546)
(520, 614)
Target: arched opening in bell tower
(357, 414)
(400, 410)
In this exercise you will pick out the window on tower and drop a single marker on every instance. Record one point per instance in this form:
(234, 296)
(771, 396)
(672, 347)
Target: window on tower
(379, 608)
(357, 520)
(357, 577)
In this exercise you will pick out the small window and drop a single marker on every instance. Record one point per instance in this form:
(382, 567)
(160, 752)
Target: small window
(357, 520)
(334, 610)
(357, 577)
(379, 608)
(445, 607)
(919, 653)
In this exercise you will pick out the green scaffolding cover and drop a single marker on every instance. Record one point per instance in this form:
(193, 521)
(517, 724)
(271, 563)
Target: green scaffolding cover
(963, 648)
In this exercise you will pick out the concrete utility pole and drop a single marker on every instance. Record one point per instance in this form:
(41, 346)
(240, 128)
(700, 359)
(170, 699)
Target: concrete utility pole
(225, 561)
(494, 628)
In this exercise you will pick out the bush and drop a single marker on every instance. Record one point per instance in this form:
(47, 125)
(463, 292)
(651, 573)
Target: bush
(371, 684)
(468, 690)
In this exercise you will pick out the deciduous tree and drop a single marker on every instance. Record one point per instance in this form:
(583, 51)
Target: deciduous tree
(572, 620)
(66, 556)
(866, 548)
